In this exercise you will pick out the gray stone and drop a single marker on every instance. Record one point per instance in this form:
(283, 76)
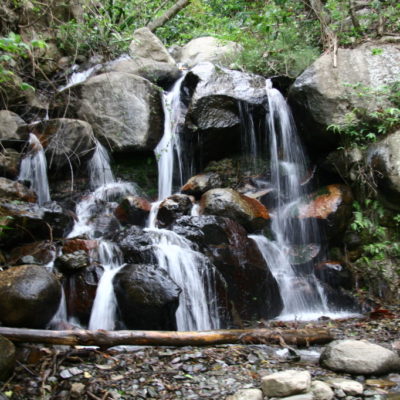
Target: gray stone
(123, 109)
(247, 394)
(9, 123)
(7, 358)
(305, 396)
(286, 383)
(208, 49)
(147, 45)
(350, 387)
(321, 390)
(359, 357)
(12, 190)
(199, 184)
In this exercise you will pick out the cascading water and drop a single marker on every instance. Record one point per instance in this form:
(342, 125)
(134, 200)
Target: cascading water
(303, 297)
(33, 168)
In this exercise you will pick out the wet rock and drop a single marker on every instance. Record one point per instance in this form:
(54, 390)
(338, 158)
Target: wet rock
(67, 142)
(40, 253)
(72, 261)
(174, 207)
(147, 297)
(7, 358)
(29, 296)
(133, 210)
(249, 291)
(320, 97)
(231, 204)
(330, 207)
(9, 163)
(209, 49)
(321, 391)
(72, 245)
(112, 102)
(350, 387)
(80, 290)
(9, 124)
(359, 357)
(335, 274)
(199, 184)
(247, 394)
(148, 46)
(12, 190)
(286, 383)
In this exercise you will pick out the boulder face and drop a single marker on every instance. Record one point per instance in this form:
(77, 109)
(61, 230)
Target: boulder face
(231, 204)
(66, 141)
(199, 184)
(359, 357)
(7, 358)
(40, 253)
(174, 207)
(208, 49)
(322, 95)
(29, 296)
(147, 297)
(9, 163)
(12, 190)
(124, 110)
(133, 210)
(9, 124)
(384, 159)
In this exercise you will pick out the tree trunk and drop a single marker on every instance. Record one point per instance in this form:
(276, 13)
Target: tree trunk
(170, 13)
(105, 339)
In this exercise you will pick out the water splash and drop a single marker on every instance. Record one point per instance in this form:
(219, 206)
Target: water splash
(33, 168)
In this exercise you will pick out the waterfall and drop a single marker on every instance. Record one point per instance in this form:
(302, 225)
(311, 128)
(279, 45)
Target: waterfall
(33, 168)
(303, 296)
(100, 172)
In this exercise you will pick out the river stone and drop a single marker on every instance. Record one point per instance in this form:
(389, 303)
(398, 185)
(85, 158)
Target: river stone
(322, 95)
(147, 297)
(286, 383)
(231, 204)
(350, 387)
(359, 357)
(72, 261)
(67, 142)
(199, 184)
(304, 396)
(133, 210)
(12, 190)
(9, 163)
(247, 394)
(210, 49)
(384, 159)
(7, 358)
(9, 124)
(148, 46)
(173, 207)
(40, 253)
(124, 110)
(321, 391)
(29, 296)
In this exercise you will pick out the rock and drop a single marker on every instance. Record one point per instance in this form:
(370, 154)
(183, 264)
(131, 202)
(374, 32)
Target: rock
(147, 297)
(9, 163)
(147, 45)
(247, 394)
(383, 158)
(350, 387)
(250, 292)
(199, 184)
(174, 207)
(29, 296)
(80, 290)
(286, 383)
(67, 142)
(67, 263)
(9, 124)
(210, 49)
(7, 358)
(160, 73)
(305, 396)
(40, 253)
(231, 204)
(133, 210)
(335, 274)
(321, 391)
(124, 110)
(359, 357)
(77, 390)
(322, 95)
(330, 207)
(12, 190)
(72, 245)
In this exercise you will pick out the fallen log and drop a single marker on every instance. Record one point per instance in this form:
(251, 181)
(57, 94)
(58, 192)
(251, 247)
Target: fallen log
(106, 339)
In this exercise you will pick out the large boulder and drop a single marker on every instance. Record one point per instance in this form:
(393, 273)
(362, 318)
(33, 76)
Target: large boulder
(359, 357)
(133, 210)
(9, 124)
(124, 110)
(173, 207)
(384, 159)
(323, 94)
(67, 142)
(247, 291)
(286, 383)
(12, 190)
(147, 297)
(231, 204)
(29, 296)
(7, 358)
(199, 184)
(209, 49)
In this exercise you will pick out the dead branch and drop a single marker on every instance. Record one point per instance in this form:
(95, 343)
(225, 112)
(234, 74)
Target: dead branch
(169, 14)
